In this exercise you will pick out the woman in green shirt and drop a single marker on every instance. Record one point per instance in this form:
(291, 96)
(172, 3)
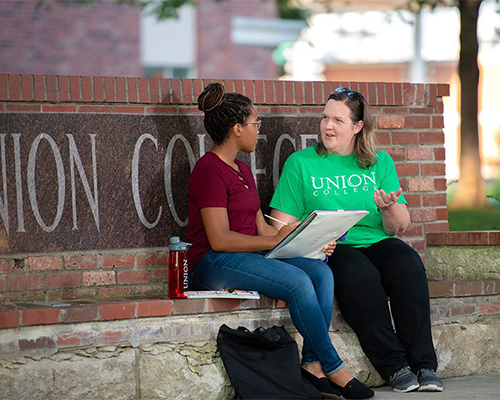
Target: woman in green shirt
(345, 171)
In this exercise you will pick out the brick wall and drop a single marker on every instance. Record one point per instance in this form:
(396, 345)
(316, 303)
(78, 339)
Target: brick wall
(409, 126)
(102, 39)
(217, 55)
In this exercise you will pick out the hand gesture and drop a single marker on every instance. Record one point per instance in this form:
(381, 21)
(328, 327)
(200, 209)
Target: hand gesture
(328, 249)
(385, 200)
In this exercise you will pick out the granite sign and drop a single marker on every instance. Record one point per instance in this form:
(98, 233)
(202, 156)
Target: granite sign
(88, 182)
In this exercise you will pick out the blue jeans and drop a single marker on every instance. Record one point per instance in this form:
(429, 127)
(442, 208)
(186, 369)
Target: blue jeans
(306, 285)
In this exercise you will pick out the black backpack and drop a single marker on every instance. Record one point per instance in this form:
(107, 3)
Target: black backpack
(263, 364)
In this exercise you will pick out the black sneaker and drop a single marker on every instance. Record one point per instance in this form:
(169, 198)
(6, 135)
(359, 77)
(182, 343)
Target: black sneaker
(428, 380)
(404, 380)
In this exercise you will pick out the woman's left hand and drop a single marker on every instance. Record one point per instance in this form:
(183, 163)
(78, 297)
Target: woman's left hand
(328, 249)
(385, 200)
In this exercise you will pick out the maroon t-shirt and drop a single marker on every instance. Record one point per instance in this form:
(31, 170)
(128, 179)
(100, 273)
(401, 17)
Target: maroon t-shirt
(214, 183)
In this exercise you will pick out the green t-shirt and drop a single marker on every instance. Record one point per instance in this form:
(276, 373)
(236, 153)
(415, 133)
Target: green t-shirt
(313, 182)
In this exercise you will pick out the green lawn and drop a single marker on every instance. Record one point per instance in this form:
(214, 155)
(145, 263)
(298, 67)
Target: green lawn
(475, 220)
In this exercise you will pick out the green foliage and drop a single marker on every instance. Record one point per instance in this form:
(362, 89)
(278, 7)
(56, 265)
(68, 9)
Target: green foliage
(474, 220)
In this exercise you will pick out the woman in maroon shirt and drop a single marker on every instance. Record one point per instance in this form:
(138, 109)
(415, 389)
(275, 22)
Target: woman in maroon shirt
(229, 234)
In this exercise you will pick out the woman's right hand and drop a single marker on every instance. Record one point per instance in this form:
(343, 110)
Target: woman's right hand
(283, 232)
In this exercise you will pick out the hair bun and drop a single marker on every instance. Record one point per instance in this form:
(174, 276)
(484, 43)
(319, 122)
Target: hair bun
(211, 97)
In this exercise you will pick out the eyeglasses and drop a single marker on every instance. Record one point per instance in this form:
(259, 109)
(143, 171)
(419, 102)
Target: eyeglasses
(350, 93)
(257, 124)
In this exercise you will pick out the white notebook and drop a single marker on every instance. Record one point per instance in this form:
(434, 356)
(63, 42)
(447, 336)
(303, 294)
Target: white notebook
(318, 229)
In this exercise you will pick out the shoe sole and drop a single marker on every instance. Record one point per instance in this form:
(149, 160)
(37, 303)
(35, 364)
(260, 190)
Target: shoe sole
(330, 396)
(430, 388)
(408, 389)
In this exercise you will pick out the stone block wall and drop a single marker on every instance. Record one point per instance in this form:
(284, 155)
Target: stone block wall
(94, 171)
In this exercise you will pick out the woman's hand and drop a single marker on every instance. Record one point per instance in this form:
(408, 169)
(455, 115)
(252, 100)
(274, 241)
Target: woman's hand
(328, 249)
(283, 232)
(385, 200)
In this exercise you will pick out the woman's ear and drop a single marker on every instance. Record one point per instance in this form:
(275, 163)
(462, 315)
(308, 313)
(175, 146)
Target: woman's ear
(237, 130)
(358, 127)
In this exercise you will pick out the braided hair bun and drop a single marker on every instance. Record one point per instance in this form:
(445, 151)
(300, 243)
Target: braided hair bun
(211, 97)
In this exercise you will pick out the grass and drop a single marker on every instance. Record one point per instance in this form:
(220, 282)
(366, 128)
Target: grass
(474, 220)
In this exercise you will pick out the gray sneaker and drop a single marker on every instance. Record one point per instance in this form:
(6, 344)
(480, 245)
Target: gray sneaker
(404, 380)
(429, 382)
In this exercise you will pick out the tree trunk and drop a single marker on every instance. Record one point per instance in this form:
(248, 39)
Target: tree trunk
(471, 188)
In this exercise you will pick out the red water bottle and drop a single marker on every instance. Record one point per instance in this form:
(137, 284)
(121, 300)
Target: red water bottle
(177, 268)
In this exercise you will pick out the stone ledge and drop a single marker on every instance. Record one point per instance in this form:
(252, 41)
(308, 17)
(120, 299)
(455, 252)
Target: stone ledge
(16, 315)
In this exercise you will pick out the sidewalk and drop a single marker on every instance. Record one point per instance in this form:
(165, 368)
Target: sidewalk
(479, 387)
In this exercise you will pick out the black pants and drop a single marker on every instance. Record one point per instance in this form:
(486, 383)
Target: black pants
(364, 277)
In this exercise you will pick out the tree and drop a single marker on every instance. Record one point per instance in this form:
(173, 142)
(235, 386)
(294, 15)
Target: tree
(471, 188)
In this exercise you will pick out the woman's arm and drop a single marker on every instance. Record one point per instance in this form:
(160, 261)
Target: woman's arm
(395, 217)
(221, 238)
(282, 216)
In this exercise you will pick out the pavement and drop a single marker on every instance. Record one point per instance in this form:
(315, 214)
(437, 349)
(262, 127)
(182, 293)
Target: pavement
(477, 387)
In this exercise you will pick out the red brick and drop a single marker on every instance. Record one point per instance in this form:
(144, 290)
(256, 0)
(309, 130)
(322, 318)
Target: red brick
(86, 89)
(3, 87)
(63, 82)
(133, 277)
(154, 308)
(79, 314)
(156, 259)
(239, 87)
(413, 199)
(9, 319)
(443, 89)
(397, 153)
(383, 138)
(42, 342)
(249, 90)
(56, 108)
(22, 107)
(477, 238)
(75, 339)
(489, 287)
(389, 93)
(431, 137)
(440, 289)
(282, 110)
(308, 93)
(408, 93)
(421, 185)
(132, 90)
(176, 91)
(112, 337)
(27, 91)
(151, 290)
(398, 94)
(442, 214)
(25, 282)
(457, 238)
(363, 89)
(420, 93)
(423, 215)
(123, 261)
(436, 227)
(166, 96)
(109, 89)
(155, 89)
(161, 110)
(159, 275)
(440, 184)
(468, 288)
(68, 279)
(419, 154)
(279, 92)
(497, 287)
(51, 88)
(74, 88)
(463, 309)
(44, 263)
(433, 200)
(259, 91)
(14, 87)
(221, 305)
(489, 308)
(191, 306)
(121, 89)
(371, 95)
(98, 278)
(94, 109)
(81, 261)
(5, 266)
(319, 98)
(288, 92)
(280, 304)
(299, 92)
(407, 169)
(404, 138)
(39, 87)
(98, 88)
(128, 110)
(144, 90)
(494, 238)
(432, 90)
(188, 110)
(437, 238)
(121, 310)
(269, 92)
(40, 316)
(417, 122)
(391, 122)
(381, 93)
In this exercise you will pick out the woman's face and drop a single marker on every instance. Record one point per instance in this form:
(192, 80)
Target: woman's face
(250, 130)
(337, 129)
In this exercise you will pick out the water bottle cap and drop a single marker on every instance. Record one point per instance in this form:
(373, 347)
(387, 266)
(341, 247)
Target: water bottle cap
(177, 245)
